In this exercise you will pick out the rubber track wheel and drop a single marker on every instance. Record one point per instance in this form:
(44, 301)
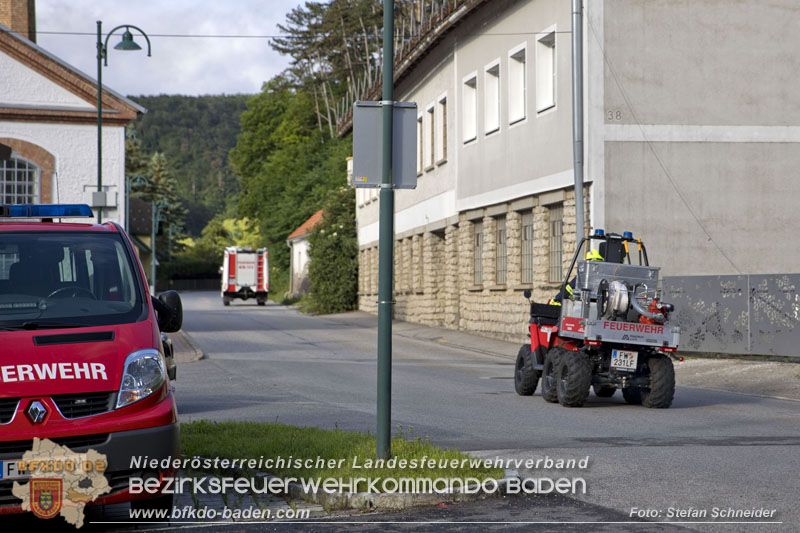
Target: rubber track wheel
(632, 395)
(662, 383)
(602, 391)
(525, 376)
(574, 377)
(549, 383)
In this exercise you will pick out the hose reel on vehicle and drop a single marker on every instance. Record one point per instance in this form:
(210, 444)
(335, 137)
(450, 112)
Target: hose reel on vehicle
(612, 299)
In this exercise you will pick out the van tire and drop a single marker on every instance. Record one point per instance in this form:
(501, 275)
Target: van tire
(226, 300)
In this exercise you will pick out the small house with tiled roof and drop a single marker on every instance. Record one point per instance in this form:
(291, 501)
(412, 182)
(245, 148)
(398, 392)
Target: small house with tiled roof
(298, 243)
(48, 124)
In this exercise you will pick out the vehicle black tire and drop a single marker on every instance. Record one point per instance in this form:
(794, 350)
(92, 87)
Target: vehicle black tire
(632, 395)
(574, 377)
(603, 391)
(662, 383)
(261, 301)
(226, 300)
(525, 376)
(159, 503)
(549, 387)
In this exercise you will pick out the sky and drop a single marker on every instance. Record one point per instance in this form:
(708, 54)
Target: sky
(178, 65)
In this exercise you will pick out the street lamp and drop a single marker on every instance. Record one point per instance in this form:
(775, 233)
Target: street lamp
(127, 43)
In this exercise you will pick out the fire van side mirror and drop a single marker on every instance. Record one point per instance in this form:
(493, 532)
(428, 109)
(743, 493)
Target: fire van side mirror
(170, 311)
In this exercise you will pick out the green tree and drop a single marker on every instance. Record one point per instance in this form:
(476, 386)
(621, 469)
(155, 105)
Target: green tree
(195, 133)
(287, 167)
(333, 256)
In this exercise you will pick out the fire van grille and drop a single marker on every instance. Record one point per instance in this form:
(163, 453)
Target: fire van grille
(18, 447)
(7, 498)
(85, 404)
(8, 406)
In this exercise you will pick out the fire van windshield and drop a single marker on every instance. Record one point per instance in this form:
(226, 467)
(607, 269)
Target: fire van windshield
(55, 280)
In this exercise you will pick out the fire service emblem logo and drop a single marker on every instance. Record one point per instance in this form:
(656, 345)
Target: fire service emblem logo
(46, 497)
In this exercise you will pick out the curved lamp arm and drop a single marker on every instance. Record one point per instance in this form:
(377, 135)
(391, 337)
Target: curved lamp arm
(127, 27)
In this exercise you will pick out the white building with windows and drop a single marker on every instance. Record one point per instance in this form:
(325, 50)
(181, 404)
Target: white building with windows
(682, 148)
(48, 123)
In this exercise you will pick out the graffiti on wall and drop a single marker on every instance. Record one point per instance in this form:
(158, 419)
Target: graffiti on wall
(744, 314)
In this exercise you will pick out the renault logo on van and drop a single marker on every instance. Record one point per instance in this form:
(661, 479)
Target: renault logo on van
(36, 412)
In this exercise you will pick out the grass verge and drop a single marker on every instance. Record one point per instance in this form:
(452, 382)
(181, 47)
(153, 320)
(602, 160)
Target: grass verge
(352, 453)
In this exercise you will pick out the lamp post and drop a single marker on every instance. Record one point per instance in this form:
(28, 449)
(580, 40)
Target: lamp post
(127, 43)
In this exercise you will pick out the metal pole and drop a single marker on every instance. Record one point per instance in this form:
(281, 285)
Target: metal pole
(128, 204)
(577, 114)
(100, 52)
(386, 244)
(153, 248)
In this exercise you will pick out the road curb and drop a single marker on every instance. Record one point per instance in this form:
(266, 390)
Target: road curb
(378, 501)
(381, 501)
(185, 350)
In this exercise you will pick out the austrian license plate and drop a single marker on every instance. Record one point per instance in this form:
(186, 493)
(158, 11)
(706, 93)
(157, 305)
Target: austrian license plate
(8, 470)
(624, 360)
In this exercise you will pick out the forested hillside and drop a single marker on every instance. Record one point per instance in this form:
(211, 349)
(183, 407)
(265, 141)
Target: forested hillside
(195, 134)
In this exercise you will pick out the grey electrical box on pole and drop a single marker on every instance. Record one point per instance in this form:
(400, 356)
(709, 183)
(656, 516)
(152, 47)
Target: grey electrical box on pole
(367, 140)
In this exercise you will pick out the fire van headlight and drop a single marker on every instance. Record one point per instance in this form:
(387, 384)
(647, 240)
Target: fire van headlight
(143, 375)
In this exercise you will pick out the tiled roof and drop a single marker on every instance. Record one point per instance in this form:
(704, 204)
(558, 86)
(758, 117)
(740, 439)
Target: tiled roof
(307, 226)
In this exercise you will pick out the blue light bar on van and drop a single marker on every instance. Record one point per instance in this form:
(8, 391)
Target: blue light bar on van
(45, 211)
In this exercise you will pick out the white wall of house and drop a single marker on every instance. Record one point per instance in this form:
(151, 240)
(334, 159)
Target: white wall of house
(49, 105)
(74, 148)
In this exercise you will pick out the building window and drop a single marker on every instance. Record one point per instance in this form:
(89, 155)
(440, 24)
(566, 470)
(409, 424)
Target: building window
(470, 108)
(546, 71)
(431, 140)
(19, 181)
(441, 124)
(516, 85)
(478, 249)
(491, 99)
(556, 213)
(501, 251)
(420, 144)
(527, 247)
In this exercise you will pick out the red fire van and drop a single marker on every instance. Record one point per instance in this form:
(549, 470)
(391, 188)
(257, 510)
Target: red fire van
(83, 362)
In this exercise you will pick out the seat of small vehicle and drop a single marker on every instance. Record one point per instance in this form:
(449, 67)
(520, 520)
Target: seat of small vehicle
(545, 314)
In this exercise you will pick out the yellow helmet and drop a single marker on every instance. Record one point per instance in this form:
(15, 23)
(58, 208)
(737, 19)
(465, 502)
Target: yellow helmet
(593, 255)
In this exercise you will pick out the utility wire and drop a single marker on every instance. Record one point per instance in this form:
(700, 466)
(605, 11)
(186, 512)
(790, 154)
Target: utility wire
(653, 150)
(283, 36)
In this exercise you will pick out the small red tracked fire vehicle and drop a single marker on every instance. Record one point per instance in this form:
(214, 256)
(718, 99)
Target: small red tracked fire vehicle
(610, 331)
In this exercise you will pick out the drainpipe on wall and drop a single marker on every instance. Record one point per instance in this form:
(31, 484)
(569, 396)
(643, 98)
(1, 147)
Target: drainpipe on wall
(577, 115)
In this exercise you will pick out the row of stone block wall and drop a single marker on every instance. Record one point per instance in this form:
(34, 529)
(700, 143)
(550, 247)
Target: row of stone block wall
(434, 268)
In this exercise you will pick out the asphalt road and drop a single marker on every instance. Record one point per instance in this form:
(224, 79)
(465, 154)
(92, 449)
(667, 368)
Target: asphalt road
(710, 450)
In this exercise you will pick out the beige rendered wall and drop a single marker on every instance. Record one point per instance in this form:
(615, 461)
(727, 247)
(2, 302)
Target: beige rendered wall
(700, 132)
